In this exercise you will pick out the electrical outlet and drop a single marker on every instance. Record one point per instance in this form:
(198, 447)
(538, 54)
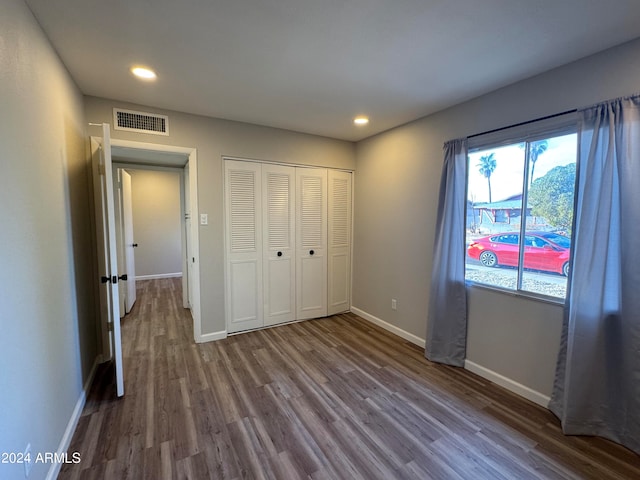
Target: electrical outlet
(27, 460)
(204, 219)
(394, 304)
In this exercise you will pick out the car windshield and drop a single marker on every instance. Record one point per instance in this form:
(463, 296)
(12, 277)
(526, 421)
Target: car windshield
(559, 240)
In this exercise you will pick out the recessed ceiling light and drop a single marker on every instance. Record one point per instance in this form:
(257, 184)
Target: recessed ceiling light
(144, 73)
(361, 120)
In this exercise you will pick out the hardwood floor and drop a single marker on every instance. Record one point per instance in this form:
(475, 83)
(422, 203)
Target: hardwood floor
(324, 399)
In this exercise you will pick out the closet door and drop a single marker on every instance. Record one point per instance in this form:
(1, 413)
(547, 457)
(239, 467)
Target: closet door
(243, 181)
(311, 243)
(278, 193)
(339, 239)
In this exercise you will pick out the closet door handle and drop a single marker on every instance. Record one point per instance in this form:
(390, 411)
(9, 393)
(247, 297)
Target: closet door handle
(311, 252)
(279, 254)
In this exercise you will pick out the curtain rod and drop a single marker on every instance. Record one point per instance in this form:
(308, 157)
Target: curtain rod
(524, 123)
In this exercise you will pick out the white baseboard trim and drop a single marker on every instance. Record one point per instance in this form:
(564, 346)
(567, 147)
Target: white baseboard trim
(511, 385)
(161, 275)
(391, 328)
(211, 337)
(65, 441)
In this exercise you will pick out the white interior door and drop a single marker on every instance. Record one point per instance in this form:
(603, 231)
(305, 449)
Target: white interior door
(129, 243)
(117, 198)
(311, 243)
(339, 239)
(107, 252)
(186, 245)
(244, 281)
(278, 193)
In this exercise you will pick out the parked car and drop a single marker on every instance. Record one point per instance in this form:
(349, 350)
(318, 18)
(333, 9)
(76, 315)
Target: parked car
(545, 251)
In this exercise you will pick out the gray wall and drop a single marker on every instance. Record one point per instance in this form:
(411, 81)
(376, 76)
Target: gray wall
(47, 310)
(213, 139)
(156, 221)
(396, 193)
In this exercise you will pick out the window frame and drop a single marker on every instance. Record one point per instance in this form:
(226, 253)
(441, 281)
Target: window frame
(527, 133)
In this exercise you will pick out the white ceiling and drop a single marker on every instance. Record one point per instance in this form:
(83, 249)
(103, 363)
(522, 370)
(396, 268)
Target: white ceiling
(312, 65)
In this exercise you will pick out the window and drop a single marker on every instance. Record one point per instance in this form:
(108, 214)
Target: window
(520, 213)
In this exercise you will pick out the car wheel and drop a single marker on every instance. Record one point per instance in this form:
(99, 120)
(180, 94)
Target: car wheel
(565, 269)
(488, 259)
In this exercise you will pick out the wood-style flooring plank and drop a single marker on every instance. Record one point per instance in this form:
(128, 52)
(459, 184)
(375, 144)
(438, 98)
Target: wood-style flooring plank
(333, 398)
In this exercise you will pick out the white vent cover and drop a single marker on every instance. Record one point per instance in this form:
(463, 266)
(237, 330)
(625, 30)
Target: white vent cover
(140, 122)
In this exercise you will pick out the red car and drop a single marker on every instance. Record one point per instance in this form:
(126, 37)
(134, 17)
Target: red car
(546, 251)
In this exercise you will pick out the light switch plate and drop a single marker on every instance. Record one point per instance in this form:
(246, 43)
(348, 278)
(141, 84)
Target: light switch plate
(204, 219)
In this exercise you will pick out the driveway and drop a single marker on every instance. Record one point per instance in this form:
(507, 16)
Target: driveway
(544, 283)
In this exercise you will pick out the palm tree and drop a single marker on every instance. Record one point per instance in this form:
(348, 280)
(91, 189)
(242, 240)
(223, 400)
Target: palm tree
(486, 166)
(535, 150)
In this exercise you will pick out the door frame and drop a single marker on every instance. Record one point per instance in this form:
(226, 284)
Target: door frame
(185, 158)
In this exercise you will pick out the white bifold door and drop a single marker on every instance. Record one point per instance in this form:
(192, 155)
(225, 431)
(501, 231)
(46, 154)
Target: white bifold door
(243, 186)
(288, 243)
(311, 272)
(339, 241)
(279, 261)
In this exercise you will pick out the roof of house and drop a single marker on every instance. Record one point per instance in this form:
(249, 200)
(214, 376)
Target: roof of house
(504, 205)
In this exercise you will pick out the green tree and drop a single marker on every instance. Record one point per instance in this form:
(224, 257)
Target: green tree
(486, 166)
(551, 196)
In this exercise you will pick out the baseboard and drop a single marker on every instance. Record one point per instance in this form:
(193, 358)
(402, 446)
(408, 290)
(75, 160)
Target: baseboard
(391, 328)
(211, 337)
(65, 441)
(161, 275)
(511, 385)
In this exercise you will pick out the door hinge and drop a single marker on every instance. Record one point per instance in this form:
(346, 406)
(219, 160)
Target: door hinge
(110, 326)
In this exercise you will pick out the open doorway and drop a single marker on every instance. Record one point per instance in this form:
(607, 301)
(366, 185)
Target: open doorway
(182, 161)
(151, 228)
(136, 153)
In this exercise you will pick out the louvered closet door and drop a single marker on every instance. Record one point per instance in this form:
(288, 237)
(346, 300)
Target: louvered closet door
(243, 181)
(339, 238)
(278, 192)
(311, 243)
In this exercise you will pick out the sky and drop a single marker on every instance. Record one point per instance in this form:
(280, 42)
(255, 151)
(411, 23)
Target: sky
(507, 178)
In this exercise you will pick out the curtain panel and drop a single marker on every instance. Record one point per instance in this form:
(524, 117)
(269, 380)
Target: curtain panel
(597, 384)
(447, 321)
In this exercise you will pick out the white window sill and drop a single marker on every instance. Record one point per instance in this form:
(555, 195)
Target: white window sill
(517, 293)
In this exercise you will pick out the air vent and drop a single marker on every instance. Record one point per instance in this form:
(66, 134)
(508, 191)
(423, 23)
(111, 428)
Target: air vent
(140, 122)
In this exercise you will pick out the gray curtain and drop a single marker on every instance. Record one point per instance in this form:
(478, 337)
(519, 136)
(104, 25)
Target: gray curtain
(597, 384)
(447, 321)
